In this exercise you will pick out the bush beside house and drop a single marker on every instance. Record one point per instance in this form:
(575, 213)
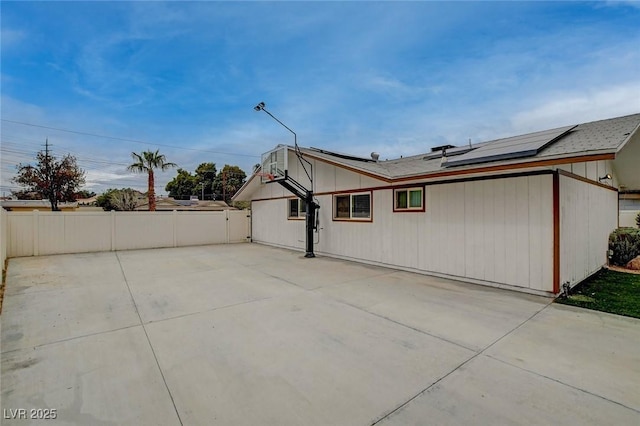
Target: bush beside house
(625, 244)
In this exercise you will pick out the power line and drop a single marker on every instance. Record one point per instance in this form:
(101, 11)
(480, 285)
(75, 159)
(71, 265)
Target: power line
(127, 140)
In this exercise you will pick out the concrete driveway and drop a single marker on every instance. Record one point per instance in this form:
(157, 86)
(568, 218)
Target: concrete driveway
(247, 334)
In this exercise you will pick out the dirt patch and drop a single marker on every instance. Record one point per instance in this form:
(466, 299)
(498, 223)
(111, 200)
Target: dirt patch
(621, 269)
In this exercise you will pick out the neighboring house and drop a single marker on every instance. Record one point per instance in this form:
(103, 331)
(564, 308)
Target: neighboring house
(30, 205)
(629, 202)
(530, 213)
(91, 201)
(170, 204)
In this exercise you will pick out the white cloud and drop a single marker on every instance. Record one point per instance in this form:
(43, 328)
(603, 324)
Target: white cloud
(573, 107)
(11, 37)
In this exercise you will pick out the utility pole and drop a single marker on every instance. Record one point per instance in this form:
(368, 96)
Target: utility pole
(224, 186)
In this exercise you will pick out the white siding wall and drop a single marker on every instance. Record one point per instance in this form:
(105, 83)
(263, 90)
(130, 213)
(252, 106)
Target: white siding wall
(628, 218)
(592, 170)
(588, 214)
(270, 224)
(41, 233)
(494, 231)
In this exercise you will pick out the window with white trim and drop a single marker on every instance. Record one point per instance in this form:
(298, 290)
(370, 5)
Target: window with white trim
(297, 209)
(408, 199)
(355, 206)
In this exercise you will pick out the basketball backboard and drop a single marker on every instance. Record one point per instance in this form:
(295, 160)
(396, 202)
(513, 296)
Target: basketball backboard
(274, 164)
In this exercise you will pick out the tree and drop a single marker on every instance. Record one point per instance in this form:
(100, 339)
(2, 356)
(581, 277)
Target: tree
(205, 176)
(104, 200)
(56, 181)
(229, 181)
(124, 199)
(26, 195)
(145, 162)
(84, 194)
(182, 186)
(201, 184)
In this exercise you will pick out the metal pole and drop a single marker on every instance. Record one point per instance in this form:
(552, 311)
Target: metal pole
(311, 219)
(308, 198)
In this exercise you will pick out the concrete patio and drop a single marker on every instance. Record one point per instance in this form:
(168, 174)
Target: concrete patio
(245, 334)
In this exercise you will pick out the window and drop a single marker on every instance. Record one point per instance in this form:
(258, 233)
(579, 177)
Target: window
(352, 206)
(408, 199)
(297, 209)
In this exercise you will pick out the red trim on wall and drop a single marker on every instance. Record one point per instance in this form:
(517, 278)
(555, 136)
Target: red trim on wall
(584, 179)
(556, 233)
(487, 169)
(352, 169)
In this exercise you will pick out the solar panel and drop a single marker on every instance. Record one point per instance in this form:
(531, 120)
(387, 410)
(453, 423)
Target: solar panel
(515, 147)
(455, 150)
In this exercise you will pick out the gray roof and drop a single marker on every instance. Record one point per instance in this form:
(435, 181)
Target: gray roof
(34, 203)
(597, 137)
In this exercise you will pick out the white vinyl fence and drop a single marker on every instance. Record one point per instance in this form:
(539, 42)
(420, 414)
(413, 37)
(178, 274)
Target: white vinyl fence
(3, 236)
(41, 233)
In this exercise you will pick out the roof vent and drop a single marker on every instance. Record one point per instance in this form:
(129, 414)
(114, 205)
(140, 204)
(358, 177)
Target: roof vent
(441, 148)
(375, 156)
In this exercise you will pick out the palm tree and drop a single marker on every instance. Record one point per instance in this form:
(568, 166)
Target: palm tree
(145, 162)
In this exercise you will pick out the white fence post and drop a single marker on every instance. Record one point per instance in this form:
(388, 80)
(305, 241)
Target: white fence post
(174, 222)
(228, 225)
(36, 232)
(113, 230)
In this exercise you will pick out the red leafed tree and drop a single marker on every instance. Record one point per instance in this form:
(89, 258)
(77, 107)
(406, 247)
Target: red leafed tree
(54, 180)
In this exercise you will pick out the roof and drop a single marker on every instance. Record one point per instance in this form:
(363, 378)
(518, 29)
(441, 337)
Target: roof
(46, 204)
(603, 137)
(200, 205)
(597, 137)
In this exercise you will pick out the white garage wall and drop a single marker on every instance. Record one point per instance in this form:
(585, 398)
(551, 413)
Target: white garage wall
(588, 214)
(498, 232)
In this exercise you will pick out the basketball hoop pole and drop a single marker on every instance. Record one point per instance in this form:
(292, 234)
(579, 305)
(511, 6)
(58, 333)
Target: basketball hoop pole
(304, 194)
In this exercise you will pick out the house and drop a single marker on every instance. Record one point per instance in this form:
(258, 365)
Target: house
(91, 201)
(193, 204)
(530, 213)
(629, 202)
(30, 205)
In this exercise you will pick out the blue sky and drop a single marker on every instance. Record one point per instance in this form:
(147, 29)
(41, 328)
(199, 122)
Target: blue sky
(393, 77)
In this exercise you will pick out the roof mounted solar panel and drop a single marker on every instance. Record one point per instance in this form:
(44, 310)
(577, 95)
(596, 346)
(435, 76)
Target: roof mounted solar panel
(508, 148)
(342, 155)
(455, 150)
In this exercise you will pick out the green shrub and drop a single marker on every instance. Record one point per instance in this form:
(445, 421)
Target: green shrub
(625, 243)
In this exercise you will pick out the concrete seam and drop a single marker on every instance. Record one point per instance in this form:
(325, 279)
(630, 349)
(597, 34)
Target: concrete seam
(211, 309)
(562, 383)
(403, 325)
(155, 357)
(68, 339)
(407, 402)
(401, 406)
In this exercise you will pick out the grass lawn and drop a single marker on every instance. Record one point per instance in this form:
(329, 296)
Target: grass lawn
(608, 291)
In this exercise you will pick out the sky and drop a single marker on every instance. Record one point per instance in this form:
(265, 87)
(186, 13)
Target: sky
(100, 80)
